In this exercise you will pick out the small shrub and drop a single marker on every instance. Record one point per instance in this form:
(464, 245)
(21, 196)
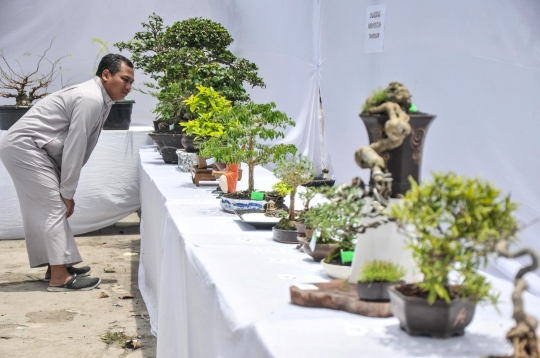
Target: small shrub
(381, 271)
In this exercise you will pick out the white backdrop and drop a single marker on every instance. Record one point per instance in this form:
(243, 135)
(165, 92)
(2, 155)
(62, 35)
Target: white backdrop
(475, 64)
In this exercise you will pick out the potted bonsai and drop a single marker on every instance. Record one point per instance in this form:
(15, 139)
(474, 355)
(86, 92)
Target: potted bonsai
(250, 128)
(179, 58)
(454, 224)
(396, 132)
(305, 196)
(318, 217)
(25, 87)
(375, 278)
(293, 170)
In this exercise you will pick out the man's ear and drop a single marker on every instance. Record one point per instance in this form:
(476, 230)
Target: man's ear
(106, 74)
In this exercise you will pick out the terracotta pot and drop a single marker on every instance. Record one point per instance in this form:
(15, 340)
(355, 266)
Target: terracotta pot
(201, 162)
(442, 320)
(321, 250)
(375, 291)
(404, 160)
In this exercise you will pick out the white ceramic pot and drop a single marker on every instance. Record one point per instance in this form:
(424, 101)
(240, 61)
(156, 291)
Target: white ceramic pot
(230, 205)
(336, 271)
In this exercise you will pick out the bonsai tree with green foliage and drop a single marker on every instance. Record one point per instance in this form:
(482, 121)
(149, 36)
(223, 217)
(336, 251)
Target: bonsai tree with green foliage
(306, 197)
(294, 170)
(457, 223)
(381, 271)
(185, 55)
(250, 130)
(27, 87)
(205, 104)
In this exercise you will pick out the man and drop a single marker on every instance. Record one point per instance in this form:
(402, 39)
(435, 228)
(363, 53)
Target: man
(44, 153)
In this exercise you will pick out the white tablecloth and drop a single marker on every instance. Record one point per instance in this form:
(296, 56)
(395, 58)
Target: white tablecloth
(108, 189)
(214, 287)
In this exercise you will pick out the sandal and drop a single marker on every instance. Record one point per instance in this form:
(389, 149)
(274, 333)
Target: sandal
(79, 271)
(77, 283)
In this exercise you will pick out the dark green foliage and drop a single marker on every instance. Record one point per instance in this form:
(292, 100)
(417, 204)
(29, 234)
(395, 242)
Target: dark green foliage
(185, 55)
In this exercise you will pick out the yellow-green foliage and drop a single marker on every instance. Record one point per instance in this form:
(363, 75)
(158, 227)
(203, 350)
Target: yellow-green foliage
(378, 97)
(456, 223)
(206, 104)
(282, 188)
(381, 271)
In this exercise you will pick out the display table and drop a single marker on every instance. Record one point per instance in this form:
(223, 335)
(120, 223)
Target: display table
(108, 188)
(215, 287)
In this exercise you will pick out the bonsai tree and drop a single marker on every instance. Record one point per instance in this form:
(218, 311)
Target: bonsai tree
(28, 86)
(395, 101)
(457, 223)
(205, 104)
(306, 197)
(294, 170)
(185, 55)
(381, 271)
(250, 129)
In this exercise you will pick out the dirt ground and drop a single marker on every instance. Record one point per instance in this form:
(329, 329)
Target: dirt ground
(36, 323)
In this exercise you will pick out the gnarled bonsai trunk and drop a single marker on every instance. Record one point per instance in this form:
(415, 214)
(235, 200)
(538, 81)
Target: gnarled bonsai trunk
(292, 214)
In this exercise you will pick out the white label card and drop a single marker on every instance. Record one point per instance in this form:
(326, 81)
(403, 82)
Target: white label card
(171, 127)
(375, 18)
(313, 241)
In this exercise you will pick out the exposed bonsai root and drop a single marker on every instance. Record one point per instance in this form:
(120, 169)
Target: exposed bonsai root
(396, 129)
(523, 336)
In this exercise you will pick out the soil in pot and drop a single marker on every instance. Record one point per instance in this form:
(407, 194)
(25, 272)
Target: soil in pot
(375, 291)
(417, 317)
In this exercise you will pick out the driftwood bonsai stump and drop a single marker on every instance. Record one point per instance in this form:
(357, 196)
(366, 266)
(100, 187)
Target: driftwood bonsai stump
(339, 295)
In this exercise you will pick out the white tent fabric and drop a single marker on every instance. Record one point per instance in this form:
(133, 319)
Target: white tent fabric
(476, 65)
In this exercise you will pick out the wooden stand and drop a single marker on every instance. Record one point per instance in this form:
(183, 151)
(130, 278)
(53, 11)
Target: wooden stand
(339, 295)
(198, 175)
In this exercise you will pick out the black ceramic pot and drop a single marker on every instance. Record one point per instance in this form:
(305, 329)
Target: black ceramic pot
(9, 115)
(187, 142)
(406, 159)
(285, 236)
(442, 320)
(375, 291)
(167, 145)
(120, 115)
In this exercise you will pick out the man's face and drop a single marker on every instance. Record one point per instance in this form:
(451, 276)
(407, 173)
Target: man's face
(119, 85)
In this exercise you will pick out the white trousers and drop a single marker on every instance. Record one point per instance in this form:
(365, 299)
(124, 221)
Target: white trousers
(49, 239)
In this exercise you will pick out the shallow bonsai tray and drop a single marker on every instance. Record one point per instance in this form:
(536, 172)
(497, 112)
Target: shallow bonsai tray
(320, 182)
(339, 295)
(258, 220)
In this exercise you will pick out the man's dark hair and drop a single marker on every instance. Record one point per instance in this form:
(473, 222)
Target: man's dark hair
(112, 62)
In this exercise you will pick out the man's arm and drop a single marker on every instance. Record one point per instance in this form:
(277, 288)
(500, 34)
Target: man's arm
(83, 119)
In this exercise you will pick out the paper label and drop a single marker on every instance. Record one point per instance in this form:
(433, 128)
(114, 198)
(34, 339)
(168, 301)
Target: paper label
(255, 195)
(313, 241)
(171, 127)
(306, 287)
(375, 18)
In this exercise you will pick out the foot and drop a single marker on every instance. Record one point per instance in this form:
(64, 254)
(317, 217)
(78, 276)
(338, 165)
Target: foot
(79, 271)
(76, 283)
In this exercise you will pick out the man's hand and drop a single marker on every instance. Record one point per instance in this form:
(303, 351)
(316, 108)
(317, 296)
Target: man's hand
(70, 204)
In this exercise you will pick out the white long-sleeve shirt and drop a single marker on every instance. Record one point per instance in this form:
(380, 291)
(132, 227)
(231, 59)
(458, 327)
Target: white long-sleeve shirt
(66, 124)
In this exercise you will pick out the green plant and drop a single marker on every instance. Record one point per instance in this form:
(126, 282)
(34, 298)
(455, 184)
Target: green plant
(251, 129)
(457, 223)
(294, 170)
(185, 55)
(282, 188)
(378, 97)
(205, 104)
(381, 271)
(27, 87)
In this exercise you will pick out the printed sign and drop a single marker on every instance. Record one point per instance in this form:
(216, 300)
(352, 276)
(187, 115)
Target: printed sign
(375, 16)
